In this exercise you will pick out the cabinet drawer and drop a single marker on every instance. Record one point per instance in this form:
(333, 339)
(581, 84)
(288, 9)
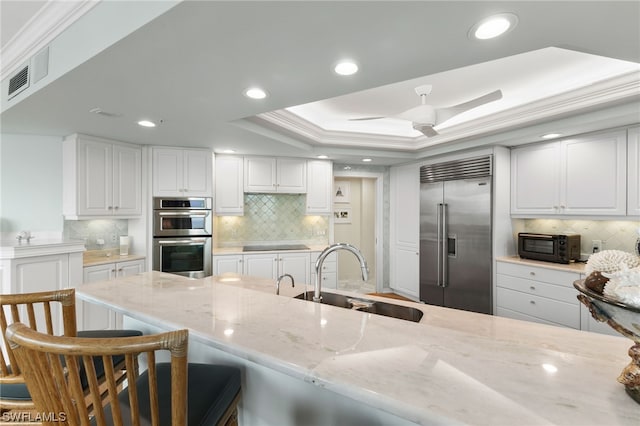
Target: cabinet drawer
(540, 307)
(537, 273)
(537, 288)
(508, 313)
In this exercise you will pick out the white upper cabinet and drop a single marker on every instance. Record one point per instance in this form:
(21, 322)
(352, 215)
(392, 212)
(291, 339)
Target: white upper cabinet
(405, 230)
(579, 176)
(535, 179)
(182, 172)
(101, 178)
(229, 174)
(319, 187)
(633, 164)
(265, 174)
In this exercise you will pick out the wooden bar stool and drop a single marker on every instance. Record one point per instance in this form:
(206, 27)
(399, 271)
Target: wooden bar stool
(40, 310)
(159, 396)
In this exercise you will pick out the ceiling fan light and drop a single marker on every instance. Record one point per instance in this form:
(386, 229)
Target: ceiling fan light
(346, 68)
(493, 26)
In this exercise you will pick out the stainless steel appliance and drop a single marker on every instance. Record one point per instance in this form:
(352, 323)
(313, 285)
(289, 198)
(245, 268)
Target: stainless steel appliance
(556, 248)
(455, 234)
(182, 236)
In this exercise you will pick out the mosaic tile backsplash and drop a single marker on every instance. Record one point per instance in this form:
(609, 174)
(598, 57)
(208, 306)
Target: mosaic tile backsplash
(92, 230)
(272, 218)
(615, 235)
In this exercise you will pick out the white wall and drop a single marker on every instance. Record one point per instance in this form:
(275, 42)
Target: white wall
(30, 183)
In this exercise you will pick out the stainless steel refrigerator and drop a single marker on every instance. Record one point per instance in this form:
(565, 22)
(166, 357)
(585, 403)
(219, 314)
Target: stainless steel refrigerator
(455, 234)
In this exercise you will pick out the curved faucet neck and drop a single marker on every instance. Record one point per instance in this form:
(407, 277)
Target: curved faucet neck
(326, 252)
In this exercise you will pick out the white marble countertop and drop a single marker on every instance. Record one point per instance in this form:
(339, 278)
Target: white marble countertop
(13, 249)
(453, 367)
(569, 267)
(218, 251)
(104, 257)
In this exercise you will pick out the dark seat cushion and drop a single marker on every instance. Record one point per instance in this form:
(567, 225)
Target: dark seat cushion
(19, 392)
(211, 389)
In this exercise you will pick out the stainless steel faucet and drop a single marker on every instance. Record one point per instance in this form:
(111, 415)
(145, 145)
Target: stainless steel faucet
(326, 252)
(280, 279)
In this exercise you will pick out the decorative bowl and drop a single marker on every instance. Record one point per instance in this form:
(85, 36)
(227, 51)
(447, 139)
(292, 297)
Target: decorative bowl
(625, 320)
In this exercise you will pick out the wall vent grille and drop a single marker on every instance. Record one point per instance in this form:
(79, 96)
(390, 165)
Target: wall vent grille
(455, 170)
(19, 82)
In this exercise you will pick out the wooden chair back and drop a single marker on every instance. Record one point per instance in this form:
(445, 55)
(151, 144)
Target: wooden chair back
(51, 367)
(40, 311)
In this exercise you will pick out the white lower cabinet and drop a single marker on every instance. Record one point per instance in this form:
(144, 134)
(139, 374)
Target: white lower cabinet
(537, 294)
(269, 265)
(227, 263)
(543, 295)
(329, 273)
(94, 317)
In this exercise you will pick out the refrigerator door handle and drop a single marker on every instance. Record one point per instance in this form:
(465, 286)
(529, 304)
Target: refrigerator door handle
(444, 249)
(439, 238)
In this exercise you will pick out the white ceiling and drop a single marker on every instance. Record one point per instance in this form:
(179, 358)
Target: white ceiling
(190, 66)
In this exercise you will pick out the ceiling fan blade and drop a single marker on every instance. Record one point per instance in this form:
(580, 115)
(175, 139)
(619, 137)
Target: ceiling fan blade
(365, 118)
(423, 114)
(426, 129)
(443, 114)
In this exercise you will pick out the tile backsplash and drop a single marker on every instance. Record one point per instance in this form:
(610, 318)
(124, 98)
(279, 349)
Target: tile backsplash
(615, 235)
(271, 218)
(92, 230)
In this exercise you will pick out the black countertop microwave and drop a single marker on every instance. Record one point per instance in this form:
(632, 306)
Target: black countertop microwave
(557, 248)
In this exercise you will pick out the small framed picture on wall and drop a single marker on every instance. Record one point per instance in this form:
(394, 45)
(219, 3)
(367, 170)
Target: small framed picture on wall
(342, 215)
(342, 191)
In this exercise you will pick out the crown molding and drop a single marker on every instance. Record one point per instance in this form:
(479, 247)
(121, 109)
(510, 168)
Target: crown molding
(603, 93)
(49, 22)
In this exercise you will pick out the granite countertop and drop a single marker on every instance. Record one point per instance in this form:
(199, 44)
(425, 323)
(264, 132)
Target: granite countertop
(452, 367)
(569, 267)
(104, 257)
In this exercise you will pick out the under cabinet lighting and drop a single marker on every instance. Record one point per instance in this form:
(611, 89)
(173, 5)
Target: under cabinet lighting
(367, 160)
(493, 26)
(228, 151)
(322, 157)
(228, 332)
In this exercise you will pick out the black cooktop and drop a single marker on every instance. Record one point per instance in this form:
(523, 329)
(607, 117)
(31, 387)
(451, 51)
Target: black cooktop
(275, 247)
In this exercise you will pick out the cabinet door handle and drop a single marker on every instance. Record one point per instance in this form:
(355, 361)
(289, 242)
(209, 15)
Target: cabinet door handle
(533, 302)
(240, 260)
(116, 207)
(532, 287)
(532, 273)
(110, 208)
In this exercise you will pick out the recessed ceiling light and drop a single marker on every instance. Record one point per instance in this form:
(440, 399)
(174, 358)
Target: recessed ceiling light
(551, 135)
(493, 26)
(367, 160)
(346, 68)
(146, 123)
(255, 93)
(322, 157)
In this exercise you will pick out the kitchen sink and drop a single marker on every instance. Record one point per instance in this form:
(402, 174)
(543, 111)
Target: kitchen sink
(329, 299)
(394, 311)
(366, 305)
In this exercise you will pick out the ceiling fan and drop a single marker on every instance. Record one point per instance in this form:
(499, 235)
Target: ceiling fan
(424, 117)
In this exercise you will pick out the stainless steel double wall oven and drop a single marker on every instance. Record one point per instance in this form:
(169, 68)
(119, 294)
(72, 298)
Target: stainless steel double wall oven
(182, 229)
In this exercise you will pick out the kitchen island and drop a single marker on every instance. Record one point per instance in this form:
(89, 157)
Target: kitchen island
(306, 363)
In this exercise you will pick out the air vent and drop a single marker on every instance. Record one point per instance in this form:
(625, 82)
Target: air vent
(19, 82)
(455, 170)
